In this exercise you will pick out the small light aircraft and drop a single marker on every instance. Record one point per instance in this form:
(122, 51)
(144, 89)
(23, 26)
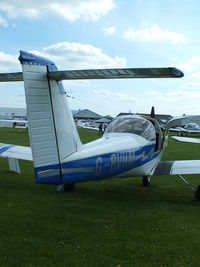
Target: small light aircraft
(13, 123)
(190, 128)
(130, 146)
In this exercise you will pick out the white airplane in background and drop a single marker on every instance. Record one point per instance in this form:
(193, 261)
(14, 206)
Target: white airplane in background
(130, 146)
(190, 128)
(13, 123)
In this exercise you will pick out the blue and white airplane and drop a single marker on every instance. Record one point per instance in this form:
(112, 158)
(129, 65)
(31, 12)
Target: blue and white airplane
(130, 146)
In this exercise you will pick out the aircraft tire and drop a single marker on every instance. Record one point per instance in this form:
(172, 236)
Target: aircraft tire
(69, 187)
(197, 193)
(146, 180)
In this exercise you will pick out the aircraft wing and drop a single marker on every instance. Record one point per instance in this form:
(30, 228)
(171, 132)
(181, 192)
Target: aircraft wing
(177, 130)
(193, 131)
(177, 167)
(19, 121)
(186, 139)
(16, 152)
(88, 127)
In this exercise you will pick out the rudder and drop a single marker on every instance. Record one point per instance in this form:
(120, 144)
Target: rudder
(52, 132)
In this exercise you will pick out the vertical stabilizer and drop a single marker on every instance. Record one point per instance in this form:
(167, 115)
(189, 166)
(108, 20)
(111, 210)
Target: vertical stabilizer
(53, 135)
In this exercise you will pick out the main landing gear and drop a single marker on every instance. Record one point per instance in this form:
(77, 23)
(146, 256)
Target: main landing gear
(146, 180)
(196, 191)
(69, 187)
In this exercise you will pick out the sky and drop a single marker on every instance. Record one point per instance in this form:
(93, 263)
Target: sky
(83, 34)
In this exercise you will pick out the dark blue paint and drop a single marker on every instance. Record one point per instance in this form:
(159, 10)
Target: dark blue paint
(137, 157)
(28, 58)
(56, 179)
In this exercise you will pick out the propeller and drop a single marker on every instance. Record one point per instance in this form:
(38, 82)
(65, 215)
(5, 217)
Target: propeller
(152, 112)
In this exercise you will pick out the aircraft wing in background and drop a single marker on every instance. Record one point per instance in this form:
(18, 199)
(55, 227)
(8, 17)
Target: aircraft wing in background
(177, 167)
(186, 139)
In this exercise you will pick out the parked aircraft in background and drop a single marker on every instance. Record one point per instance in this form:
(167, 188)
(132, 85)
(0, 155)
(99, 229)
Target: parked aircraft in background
(190, 128)
(130, 146)
(13, 123)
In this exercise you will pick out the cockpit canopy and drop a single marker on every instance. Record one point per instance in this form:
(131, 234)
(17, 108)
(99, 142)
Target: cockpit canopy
(133, 125)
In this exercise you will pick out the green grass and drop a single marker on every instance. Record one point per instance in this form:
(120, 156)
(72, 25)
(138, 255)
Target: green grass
(116, 222)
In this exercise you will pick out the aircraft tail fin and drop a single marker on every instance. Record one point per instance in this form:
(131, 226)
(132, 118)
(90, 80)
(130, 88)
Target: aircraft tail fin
(52, 131)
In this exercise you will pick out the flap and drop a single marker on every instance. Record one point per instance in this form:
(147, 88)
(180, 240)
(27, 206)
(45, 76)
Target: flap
(177, 167)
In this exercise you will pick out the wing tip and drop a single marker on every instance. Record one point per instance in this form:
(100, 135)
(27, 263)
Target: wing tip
(176, 72)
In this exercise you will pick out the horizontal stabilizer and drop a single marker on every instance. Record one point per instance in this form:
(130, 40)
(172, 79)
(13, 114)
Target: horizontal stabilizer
(11, 77)
(116, 73)
(126, 73)
(15, 152)
(177, 167)
(187, 139)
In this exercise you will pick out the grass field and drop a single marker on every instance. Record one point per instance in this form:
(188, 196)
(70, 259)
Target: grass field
(110, 223)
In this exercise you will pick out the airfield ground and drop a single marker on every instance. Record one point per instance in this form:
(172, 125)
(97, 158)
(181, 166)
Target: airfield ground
(113, 223)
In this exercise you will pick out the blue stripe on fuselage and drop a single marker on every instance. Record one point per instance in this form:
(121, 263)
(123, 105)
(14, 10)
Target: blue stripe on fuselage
(108, 165)
(53, 179)
(100, 166)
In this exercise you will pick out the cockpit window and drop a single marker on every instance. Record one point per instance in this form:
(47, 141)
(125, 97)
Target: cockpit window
(139, 126)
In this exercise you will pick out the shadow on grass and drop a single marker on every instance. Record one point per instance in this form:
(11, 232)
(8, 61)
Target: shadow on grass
(131, 193)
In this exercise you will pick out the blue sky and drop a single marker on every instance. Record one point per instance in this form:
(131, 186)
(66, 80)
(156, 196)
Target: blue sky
(82, 34)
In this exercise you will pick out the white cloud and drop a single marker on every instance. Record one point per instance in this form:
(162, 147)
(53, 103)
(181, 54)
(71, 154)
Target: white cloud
(8, 62)
(114, 102)
(195, 60)
(80, 56)
(195, 75)
(70, 10)
(176, 102)
(67, 56)
(185, 67)
(111, 96)
(109, 30)
(3, 22)
(154, 33)
(191, 84)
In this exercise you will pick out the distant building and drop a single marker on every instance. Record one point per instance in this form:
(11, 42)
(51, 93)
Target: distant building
(13, 113)
(86, 114)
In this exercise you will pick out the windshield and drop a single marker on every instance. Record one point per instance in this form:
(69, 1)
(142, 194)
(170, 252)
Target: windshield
(139, 126)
